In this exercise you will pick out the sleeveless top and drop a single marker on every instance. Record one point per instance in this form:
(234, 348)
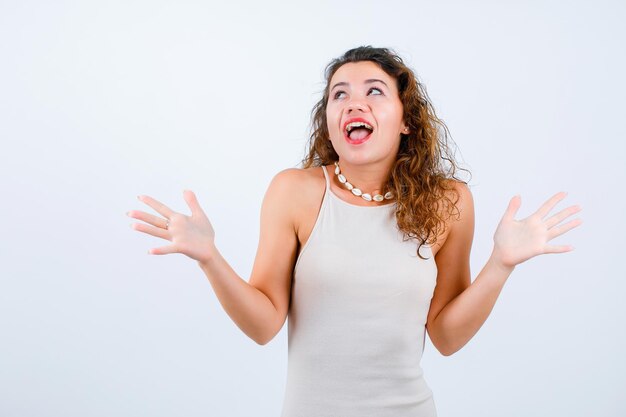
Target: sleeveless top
(356, 324)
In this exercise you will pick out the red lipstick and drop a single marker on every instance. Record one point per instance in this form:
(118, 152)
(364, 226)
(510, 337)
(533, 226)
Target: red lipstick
(356, 119)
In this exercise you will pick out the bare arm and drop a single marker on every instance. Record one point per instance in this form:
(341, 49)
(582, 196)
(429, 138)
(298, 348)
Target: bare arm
(462, 317)
(250, 309)
(258, 307)
(461, 309)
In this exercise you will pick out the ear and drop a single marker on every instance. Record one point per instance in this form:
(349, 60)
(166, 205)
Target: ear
(405, 129)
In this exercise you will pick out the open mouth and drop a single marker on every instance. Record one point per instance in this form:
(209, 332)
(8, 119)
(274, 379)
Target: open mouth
(358, 132)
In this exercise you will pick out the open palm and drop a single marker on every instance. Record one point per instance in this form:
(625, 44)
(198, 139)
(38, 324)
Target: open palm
(516, 241)
(190, 235)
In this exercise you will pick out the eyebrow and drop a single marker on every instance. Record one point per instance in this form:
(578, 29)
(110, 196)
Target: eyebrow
(369, 81)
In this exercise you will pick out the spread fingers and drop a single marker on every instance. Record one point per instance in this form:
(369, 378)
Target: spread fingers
(148, 218)
(160, 208)
(151, 230)
(562, 215)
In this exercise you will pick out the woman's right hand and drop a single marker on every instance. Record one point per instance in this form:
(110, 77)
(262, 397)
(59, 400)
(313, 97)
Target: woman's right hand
(190, 235)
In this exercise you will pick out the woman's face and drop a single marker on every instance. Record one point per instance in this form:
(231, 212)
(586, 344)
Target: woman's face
(362, 91)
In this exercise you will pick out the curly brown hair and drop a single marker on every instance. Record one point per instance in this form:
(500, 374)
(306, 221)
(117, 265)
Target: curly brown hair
(419, 179)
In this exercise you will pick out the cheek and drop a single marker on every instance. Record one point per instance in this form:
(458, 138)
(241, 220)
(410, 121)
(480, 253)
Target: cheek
(332, 120)
(391, 116)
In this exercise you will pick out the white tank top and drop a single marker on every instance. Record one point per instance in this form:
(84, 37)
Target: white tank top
(356, 325)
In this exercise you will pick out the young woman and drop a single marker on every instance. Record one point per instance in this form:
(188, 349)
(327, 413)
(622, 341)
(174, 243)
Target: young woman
(365, 248)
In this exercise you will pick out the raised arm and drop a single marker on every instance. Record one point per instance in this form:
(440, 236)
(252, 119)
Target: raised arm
(259, 307)
(458, 308)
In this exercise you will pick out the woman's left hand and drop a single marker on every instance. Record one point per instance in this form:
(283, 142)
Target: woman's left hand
(516, 241)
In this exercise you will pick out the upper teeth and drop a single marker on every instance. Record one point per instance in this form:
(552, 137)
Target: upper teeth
(353, 125)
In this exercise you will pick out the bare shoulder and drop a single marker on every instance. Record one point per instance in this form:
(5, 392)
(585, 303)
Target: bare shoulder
(459, 192)
(461, 197)
(453, 260)
(296, 183)
(461, 215)
(297, 188)
(304, 191)
(300, 180)
(295, 176)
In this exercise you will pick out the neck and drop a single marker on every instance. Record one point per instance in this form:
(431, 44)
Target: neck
(370, 178)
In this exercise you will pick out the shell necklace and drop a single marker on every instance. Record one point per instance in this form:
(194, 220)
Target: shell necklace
(368, 197)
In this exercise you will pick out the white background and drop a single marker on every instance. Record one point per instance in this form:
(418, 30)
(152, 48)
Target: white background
(102, 101)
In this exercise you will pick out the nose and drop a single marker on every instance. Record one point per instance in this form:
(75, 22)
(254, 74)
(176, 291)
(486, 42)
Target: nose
(355, 105)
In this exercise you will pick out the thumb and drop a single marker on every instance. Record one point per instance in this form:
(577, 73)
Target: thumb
(192, 202)
(513, 207)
